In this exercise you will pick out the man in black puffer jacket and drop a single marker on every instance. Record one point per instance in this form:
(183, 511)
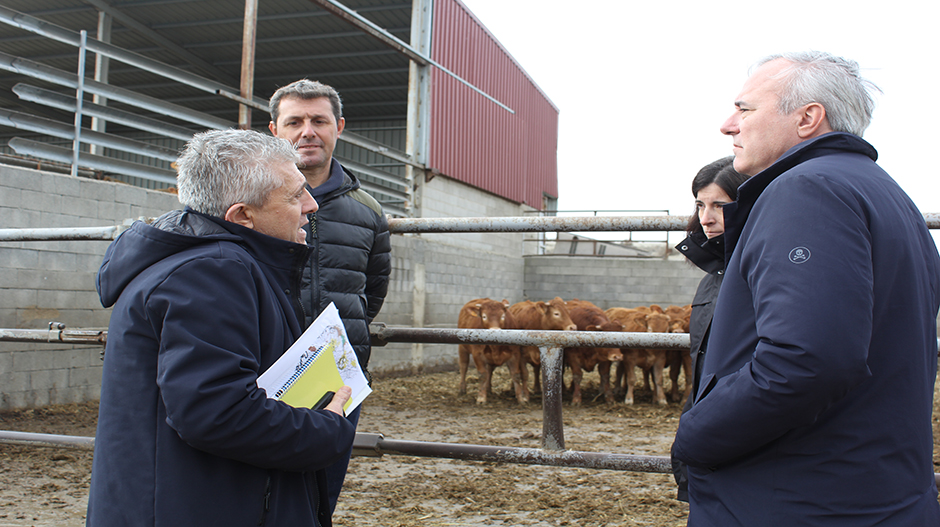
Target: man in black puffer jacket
(351, 258)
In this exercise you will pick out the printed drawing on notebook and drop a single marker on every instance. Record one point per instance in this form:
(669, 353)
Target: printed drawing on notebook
(321, 360)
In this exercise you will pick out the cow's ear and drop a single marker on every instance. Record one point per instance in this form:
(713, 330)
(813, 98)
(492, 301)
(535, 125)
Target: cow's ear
(592, 327)
(542, 306)
(475, 310)
(506, 302)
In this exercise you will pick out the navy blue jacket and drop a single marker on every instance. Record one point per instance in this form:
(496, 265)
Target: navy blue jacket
(185, 436)
(815, 401)
(351, 257)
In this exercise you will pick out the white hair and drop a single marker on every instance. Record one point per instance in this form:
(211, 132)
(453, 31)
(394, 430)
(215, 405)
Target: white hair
(220, 168)
(833, 82)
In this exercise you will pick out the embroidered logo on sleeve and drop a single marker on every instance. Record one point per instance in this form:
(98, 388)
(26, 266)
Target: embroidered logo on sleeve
(799, 255)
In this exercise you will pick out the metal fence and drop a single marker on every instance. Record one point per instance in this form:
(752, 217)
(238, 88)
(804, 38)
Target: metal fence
(550, 343)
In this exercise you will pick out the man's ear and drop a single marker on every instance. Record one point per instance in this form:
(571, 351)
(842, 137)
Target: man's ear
(813, 121)
(340, 125)
(241, 214)
(273, 127)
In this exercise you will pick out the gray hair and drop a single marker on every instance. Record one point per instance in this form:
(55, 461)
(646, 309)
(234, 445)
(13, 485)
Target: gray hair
(833, 82)
(306, 89)
(220, 168)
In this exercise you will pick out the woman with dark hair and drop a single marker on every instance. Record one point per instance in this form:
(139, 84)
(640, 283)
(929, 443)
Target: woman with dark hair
(715, 185)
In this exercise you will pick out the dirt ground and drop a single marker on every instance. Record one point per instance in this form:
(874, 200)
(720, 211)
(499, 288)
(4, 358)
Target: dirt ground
(49, 487)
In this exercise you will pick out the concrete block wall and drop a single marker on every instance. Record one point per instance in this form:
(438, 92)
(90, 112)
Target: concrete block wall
(430, 282)
(612, 282)
(433, 276)
(45, 281)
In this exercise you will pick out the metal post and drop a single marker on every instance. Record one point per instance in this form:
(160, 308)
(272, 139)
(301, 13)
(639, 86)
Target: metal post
(249, 33)
(102, 68)
(416, 142)
(553, 429)
(79, 97)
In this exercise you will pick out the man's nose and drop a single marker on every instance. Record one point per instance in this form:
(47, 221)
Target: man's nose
(730, 126)
(308, 130)
(309, 204)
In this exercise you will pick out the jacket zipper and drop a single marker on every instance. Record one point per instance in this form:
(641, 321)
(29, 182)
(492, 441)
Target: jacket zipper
(265, 501)
(314, 271)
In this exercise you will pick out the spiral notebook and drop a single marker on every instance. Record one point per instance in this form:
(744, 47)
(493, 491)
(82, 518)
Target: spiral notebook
(320, 361)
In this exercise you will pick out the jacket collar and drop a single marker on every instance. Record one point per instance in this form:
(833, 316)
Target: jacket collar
(340, 182)
(736, 213)
(706, 253)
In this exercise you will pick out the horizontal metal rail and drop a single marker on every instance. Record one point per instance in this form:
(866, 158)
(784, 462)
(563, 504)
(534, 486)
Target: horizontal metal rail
(28, 92)
(504, 224)
(70, 80)
(25, 121)
(375, 445)
(109, 164)
(56, 333)
(9, 437)
(382, 335)
(67, 36)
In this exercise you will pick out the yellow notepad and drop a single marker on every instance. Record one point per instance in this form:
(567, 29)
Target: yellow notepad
(320, 361)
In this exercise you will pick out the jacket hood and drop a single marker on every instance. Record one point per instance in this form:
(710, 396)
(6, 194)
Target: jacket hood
(341, 181)
(143, 245)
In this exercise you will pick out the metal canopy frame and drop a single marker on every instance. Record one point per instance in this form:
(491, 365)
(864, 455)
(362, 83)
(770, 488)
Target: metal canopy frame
(206, 75)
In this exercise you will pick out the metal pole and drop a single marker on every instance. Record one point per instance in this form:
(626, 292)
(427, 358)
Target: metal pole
(102, 68)
(553, 428)
(388, 39)
(249, 33)
(79, 97)
(538, 224)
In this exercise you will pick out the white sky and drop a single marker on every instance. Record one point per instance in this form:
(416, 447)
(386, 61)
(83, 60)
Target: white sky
(642, 86)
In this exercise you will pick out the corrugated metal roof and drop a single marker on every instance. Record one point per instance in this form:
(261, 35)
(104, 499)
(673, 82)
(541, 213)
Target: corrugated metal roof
(295, 39)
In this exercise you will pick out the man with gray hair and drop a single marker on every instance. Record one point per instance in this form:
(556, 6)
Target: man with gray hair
(815, 398)
(350, 260)
(206, 299)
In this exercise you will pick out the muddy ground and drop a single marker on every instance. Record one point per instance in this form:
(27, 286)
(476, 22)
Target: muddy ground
(48, 487)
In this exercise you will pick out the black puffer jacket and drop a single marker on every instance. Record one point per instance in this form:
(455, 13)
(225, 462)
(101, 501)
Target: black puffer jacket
(709, 255)
(351, 255)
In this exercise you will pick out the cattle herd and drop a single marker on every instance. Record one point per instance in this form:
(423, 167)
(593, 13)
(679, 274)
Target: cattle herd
(576, 315)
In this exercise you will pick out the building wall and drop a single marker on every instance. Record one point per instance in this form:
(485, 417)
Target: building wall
(612, 282)
(433, 276)
(511, 152)
(55, 281)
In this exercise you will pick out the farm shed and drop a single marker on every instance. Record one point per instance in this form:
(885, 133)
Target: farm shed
(422, 82)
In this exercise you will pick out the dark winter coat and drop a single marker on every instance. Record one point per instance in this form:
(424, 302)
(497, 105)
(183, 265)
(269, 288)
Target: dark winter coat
(185, 436)
(815, 402)
(708, 254)
(351, 258)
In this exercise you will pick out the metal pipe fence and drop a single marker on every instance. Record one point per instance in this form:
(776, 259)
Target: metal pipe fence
(550, 344)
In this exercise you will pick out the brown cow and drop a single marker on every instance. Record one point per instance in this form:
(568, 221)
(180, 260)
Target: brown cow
(484, 313)
(651, 361)
(676, 360)
(633, 321)
(589, 317)
(546, 316)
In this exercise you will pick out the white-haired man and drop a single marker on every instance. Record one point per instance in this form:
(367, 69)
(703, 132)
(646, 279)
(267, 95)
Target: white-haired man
(205, 299)
(815, 398)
